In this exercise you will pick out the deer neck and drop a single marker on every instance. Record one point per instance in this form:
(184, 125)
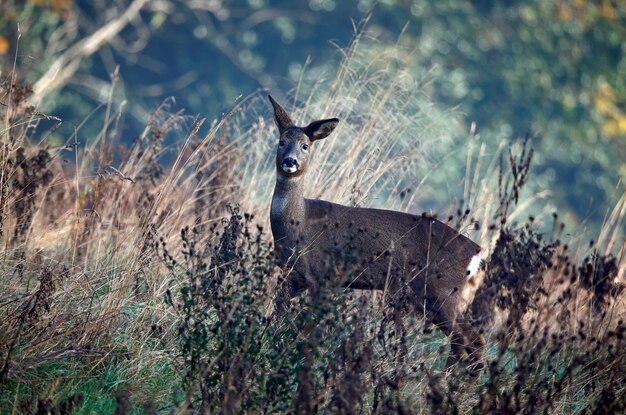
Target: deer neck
(287, 213)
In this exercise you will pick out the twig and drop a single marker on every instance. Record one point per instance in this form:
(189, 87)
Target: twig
(67, 64)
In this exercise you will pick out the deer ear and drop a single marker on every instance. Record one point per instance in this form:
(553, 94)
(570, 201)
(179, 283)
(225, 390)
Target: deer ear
(320, 129)
(282, 119)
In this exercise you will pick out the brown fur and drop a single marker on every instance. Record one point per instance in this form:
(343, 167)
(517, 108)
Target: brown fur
(368, 248)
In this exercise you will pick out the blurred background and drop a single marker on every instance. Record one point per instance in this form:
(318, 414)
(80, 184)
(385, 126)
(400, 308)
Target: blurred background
(554, 69)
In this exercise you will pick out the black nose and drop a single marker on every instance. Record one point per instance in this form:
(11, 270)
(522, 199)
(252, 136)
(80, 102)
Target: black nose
(289, 162)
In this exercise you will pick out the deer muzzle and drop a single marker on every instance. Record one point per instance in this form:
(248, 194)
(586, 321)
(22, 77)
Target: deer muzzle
(290, 165)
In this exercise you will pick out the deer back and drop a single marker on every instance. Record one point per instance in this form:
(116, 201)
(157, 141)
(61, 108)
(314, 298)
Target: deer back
(373, 248)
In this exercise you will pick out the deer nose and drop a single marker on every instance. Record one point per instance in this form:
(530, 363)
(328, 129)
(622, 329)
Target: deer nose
(290, 165)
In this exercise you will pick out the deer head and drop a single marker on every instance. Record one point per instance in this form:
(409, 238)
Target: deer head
(294, 143)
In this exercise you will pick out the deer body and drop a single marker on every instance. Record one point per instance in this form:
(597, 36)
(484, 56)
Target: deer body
(365, 248)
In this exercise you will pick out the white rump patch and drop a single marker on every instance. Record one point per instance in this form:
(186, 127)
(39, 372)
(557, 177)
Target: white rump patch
(474, 266)
(290, 169)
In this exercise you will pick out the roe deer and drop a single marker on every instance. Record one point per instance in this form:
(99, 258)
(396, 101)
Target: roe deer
(421, 257)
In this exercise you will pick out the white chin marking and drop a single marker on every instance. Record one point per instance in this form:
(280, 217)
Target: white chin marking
(290, 169)
(474, 266)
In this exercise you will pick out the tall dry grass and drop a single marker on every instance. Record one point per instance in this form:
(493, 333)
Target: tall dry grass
(97, 275)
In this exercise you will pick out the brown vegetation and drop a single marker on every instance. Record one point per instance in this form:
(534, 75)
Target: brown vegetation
(114, 258)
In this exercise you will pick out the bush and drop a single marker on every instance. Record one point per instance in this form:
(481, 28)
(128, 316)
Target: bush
(101, 288)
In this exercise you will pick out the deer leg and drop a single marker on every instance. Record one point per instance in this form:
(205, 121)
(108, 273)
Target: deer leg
(464, 339)
(293, 285)
(475, 347)
(445, 320)
(458, 345)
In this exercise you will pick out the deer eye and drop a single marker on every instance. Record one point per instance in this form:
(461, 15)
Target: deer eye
(305, 147)
(281, 143)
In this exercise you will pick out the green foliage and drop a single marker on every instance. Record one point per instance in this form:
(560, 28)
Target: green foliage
(86, 389)
(550, 67)
(553, 68)
(92, 242)
(240, 351)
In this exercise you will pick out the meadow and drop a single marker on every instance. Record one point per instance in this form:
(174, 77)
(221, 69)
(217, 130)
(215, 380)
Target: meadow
(141, 279)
